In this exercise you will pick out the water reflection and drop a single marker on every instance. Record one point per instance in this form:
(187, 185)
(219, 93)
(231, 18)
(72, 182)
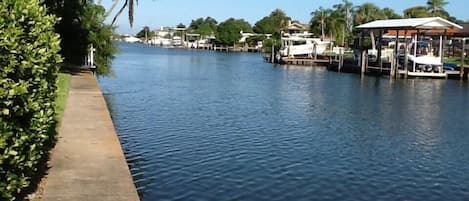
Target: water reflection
(199, 125)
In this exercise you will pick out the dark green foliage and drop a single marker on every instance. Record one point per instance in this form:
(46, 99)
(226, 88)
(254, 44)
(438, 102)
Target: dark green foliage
(100, 35)
(73, 37)
(252, 41)
(229, 31)
(335, 23)
(204, 27)
(82, 24)
(416, 12)
(144, 32)
(274, 23)
(391, 14)
(368, 12)
(339, 21)
(268, 43)
(29, 62)
(181, 26)
(436, 8)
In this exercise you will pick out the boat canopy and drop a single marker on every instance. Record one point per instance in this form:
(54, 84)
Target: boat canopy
(296, 38)
(411, 23)
(426, 60)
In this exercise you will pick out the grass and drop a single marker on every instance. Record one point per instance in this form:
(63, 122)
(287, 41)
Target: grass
(456, 60)
(62, 94)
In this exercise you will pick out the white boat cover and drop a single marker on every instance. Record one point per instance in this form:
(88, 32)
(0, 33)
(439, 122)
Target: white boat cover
(411, 23)
(426, 60)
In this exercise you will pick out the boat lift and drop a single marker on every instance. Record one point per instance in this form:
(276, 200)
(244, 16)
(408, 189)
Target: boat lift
(413, 26)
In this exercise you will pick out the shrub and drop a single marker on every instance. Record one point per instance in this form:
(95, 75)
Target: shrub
(100, 35)
(82, 24)
(29, 62)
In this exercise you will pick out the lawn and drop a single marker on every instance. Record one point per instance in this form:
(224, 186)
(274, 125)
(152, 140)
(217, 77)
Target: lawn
(456, 60)
(62, 93)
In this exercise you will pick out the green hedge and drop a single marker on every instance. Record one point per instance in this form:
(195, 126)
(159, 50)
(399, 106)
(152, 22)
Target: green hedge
(29, 62)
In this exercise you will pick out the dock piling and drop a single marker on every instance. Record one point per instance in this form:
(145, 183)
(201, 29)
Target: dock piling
(363, 62)
(461, 70)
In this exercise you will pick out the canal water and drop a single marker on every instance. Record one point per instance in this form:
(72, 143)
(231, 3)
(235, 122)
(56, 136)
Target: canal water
(199, 125)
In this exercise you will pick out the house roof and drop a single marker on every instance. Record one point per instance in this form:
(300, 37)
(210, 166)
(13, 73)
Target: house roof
(463, 32)
(295, 25)
(411, 23)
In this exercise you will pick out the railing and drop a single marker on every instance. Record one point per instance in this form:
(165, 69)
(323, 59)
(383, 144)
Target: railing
(89, 59)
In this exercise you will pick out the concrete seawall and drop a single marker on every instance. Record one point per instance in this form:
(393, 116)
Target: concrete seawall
(88, 162)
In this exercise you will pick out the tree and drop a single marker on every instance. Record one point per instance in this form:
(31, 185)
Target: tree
(228, 32)
(344, 10)
(335, 24)
(368, 12)
(130, 5)
(436, 8)
(181, 26)
(318, 21)
(82, 24)
(416, 12)
(330, 22)
(100, 36)
(390, 14)
(145, 32)
(274, 23)
(204, 27)
(252, 41)
(74, 44)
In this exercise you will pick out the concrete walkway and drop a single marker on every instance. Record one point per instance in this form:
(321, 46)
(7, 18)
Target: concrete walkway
(87, 162)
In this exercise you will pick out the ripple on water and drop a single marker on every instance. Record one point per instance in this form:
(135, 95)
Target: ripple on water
(198, 125)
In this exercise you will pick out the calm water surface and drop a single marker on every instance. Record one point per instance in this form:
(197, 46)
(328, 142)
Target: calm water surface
(199, 125)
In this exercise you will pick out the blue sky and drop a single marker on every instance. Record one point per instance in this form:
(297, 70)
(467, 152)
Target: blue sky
(156, 13)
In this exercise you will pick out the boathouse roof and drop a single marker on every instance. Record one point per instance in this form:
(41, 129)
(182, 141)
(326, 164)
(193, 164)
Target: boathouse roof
(411, 23)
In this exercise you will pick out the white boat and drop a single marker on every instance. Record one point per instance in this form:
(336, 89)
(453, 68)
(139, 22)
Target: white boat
(300, 46)
(177, 41)
(386, 53)
(164, 42)
(426, 60)
(131, 39)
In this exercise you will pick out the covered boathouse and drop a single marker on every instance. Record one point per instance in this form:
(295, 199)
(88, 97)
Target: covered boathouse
(407, 61)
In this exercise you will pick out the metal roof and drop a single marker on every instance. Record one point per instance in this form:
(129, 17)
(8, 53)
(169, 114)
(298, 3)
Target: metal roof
(411, 23)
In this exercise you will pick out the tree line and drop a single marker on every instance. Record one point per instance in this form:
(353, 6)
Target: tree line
(336, 23)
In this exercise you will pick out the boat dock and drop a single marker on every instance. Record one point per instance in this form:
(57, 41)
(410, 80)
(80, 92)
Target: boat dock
(305, 61)
(403, 61)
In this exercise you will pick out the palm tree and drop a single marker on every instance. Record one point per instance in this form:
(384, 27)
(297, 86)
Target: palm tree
(389, 13)
(416, 12)
(129, 4)
(344, 10)
(368, 12)
(320, 16)
(436, 7)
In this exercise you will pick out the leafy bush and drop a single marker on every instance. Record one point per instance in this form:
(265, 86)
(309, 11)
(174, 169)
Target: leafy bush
(29, 63)
(228, 32)
(269, 42)
(100, 35)
(82, 24)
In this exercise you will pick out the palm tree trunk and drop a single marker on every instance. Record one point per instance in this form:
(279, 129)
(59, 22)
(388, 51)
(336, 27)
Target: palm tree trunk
(114, 4)
(119, 12)
(343, 35)
(373, 42)
(322, 30)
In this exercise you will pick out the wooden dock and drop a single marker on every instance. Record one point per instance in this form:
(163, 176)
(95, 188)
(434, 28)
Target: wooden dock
(305, 61)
